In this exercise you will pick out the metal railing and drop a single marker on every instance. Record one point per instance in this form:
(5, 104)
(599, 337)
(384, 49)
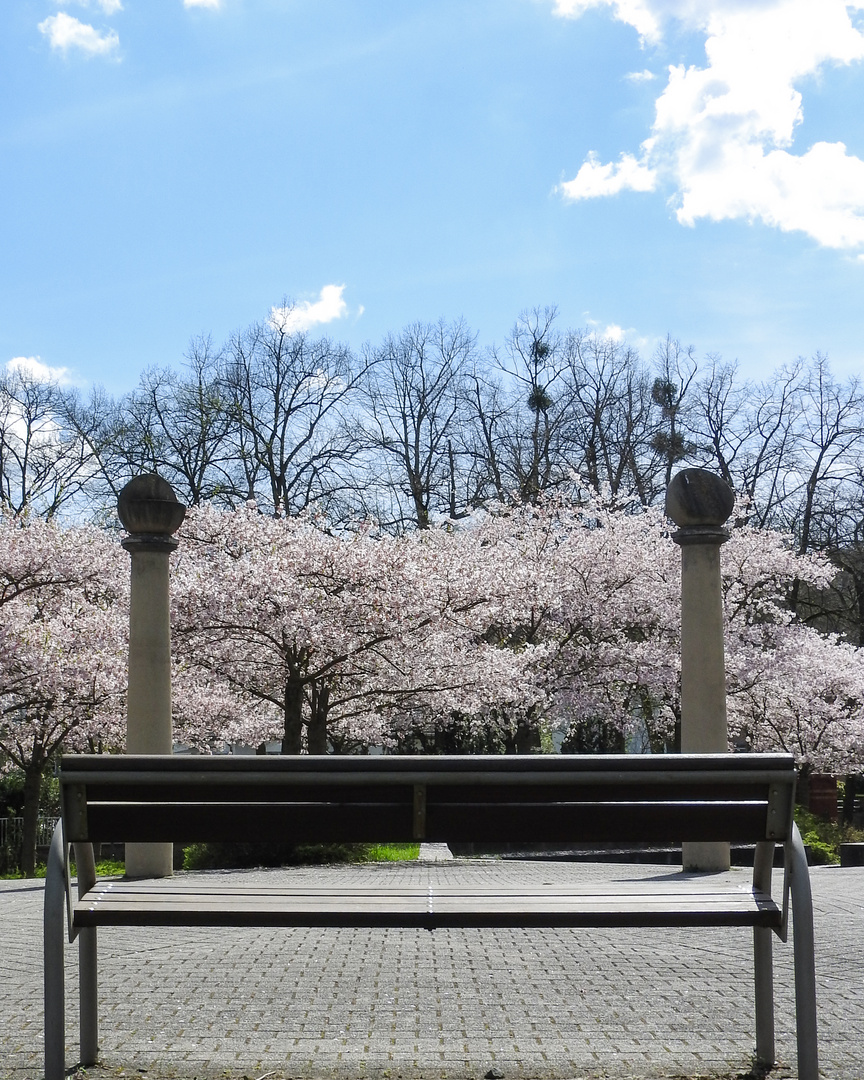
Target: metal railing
(12, 832)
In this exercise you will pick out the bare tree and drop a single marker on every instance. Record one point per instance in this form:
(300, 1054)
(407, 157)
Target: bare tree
(831, 440)
(610, 425)
(794, 446)
(182, 421)
(751, 433)
(487, 407)
(289, 398)
(44, 464)
(176, 423)
(676, 369)
(414, 420)
(521, 410)
(574, 407)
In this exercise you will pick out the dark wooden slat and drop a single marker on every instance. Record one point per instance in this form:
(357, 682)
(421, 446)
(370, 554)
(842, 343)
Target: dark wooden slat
(292, 822)
(218, 789)
(284, 789)
(597, 822)
(633, 789)
(343, 821)
(383, 919)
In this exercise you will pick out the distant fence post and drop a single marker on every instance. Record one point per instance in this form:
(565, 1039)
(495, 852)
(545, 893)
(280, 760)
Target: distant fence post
(700, 503)
(150, 513)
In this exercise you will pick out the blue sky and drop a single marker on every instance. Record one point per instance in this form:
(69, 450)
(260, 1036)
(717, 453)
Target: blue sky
(690, 167)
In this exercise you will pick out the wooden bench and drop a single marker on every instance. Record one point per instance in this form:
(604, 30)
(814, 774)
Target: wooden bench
(744, 798)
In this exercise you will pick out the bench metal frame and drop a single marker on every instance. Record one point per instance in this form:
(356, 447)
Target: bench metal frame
(745, 798)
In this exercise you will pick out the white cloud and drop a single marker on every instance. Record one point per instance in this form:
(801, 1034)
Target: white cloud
(65, 32)
(295, 318)
(820, 193)
(637, 13)
(611, 332)
(723, 133)
(594, 179)
(213, 4)
(32, 367)
(640, 76)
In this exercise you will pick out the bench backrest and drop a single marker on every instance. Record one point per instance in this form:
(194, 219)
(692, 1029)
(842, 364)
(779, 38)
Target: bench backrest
(598, 798)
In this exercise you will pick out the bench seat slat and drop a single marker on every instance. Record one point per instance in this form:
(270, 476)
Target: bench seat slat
(687, 902)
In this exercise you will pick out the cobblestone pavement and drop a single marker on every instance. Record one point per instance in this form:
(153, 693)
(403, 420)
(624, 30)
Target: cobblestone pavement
(407, 1004)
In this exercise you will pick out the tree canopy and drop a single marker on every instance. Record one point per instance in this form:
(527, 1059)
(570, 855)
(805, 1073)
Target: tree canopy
(434, 544)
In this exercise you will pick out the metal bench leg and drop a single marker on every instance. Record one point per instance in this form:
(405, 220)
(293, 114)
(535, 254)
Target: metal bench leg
(54, 918)
(88, 1017)
(763, 961)
(803, 953)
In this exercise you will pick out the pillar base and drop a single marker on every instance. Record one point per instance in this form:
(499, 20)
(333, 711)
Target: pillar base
(149, 860)
(708, 857)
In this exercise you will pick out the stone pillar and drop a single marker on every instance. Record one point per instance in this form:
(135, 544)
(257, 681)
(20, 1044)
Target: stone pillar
(700, 503)
(150, 513)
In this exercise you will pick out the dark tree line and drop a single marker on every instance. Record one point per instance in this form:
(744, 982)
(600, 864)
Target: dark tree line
(429, 425)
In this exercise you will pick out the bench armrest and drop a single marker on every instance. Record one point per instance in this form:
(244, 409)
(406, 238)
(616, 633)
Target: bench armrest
(85, 867)
(58, 878)
(796, 882)
(763, 864)
(57, 891)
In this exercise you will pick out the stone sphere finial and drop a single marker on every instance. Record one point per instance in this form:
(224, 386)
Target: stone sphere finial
(148, 505)
(696, 497)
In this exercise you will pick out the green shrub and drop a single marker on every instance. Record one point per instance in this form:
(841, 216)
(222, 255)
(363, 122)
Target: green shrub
(824, 837)
(820, 851)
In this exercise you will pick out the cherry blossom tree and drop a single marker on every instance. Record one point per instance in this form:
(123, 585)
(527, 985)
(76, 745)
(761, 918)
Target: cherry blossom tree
(63, 619)
(599, 589)
(510, 625)
(801, 692)
(326, 638)
(593, 591)
(790, 687)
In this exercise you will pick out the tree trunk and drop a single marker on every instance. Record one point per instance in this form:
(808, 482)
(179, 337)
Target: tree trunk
(316, 734)
(526, 738)
(292, 740)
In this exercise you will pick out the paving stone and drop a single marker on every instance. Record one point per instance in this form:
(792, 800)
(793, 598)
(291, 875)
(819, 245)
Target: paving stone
(405, 1004)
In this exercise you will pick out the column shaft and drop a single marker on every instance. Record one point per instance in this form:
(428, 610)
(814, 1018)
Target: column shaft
(148, 715)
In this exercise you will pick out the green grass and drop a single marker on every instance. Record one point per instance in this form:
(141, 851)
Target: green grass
(110, 868)
(392, 852)
(105, 868)
(307, 854)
